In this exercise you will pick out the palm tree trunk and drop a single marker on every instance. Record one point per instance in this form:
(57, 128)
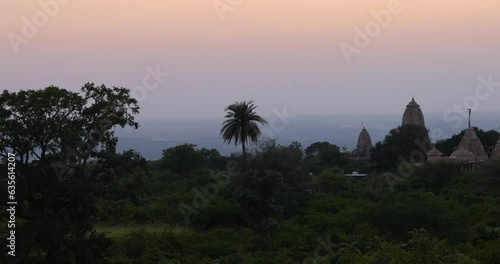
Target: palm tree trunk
(244, 155)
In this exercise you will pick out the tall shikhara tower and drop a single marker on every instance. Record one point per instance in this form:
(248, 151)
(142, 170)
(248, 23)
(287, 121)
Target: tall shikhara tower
(363, 149)
(413, 114)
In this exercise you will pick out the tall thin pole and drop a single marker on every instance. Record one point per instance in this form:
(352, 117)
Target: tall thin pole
(470, 112)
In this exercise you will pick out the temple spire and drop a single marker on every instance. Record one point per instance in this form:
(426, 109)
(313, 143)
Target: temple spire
(363, 148)
(472, 143)
(413, 114)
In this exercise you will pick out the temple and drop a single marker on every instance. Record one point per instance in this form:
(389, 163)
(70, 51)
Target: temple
(434, 155)
(469, 153)
(465, 158)
(496, 151)
(364, 146)
(471, 142)
(413, 114)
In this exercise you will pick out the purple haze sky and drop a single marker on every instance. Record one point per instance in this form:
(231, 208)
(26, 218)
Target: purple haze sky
(278, 53)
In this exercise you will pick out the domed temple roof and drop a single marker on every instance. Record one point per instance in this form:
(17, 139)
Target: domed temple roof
(434, 155)
(363, 149)
(463, 155)
(471, 142)
(413, 114)
(496, 151)
(434, 152)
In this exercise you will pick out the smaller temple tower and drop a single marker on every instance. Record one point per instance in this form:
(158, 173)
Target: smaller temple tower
(413, 114)
(471, 142)
(496, 151)
(363, 149)
(434, 155)
(470, 150)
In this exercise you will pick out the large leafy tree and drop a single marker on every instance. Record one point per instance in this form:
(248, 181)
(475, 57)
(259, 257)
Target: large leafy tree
(408, 143)
(182, 159)
(120, 175)
(241, 125)
(288, 160)
(212, 159)
(322, 155)
(54, 133)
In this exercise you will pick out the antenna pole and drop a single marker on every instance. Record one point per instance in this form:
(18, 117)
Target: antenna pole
(470, 112)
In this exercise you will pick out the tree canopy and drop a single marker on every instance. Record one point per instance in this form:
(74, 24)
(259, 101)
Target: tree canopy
(54, 133)
(241, 125)
(408, 143)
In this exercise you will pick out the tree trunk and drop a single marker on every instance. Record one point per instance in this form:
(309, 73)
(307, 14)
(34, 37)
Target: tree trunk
(244, 155)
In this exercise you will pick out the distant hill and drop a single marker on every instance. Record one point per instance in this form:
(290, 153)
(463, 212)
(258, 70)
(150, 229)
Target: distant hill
(154, 136)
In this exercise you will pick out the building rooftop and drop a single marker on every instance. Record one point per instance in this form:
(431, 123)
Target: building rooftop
(434, 152)
(356, 174)
(463, 155)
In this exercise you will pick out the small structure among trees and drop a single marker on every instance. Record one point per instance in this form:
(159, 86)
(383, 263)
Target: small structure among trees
(434, 155)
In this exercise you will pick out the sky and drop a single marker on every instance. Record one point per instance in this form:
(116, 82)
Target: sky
(279, 53)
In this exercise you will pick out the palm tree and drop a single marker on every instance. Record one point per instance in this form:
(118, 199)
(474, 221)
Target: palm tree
(241, 125)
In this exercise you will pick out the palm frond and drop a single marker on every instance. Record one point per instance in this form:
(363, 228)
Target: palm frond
(241, 124)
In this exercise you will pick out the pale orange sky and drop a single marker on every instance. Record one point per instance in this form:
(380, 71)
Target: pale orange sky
(278, 52)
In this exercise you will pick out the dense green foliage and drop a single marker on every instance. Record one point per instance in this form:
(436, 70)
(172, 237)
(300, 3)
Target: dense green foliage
(408, 143)
(322, 155)
(84, 203)
(435, 215)
(55, 135)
